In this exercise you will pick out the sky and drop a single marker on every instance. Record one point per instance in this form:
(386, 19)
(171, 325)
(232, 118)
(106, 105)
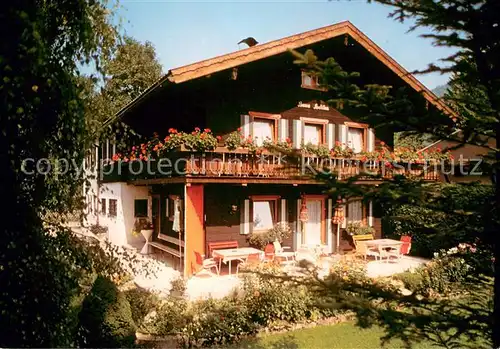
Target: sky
(185, 32)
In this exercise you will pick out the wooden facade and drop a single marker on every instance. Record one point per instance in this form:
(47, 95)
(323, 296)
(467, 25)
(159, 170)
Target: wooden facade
(212, 200)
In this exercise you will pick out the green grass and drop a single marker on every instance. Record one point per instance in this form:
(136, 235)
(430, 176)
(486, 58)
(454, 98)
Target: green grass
(342, 336)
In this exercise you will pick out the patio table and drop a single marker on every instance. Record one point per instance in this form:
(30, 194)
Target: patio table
(382, 244)
(231, 254)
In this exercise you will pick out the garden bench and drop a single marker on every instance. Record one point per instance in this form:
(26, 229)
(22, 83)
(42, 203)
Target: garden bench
(167, 249)
(221, 245)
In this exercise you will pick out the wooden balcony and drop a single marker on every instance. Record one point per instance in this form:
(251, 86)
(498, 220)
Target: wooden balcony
(241, 163)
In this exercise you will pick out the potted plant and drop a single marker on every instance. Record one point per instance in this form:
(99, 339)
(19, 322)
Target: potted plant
(357, 228)
(144, 227)
(278, 232)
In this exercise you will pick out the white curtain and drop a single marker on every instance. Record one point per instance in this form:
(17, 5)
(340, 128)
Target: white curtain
(311, 134)
(176, 226)
(261, 131)
(355, 212)
(262, 215)
(355, 139)
(313, 225)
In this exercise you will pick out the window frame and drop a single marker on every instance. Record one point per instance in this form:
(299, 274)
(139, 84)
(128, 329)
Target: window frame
(315, 82)
(318, 123)
(113, 213)
(135, 213)
(274, 200)
(268, 117)
(363, 127)
(102, 211)
(364, 210)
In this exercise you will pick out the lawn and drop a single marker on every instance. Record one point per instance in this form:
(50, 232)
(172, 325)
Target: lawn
(342, 336)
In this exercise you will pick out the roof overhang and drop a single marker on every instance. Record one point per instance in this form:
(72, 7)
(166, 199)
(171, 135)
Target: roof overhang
(254, 53)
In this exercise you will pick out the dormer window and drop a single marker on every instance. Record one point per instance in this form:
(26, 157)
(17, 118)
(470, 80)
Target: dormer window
(311, 81)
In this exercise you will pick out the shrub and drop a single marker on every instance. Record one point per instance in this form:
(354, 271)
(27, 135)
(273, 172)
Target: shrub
(412, 280)
(271, 300)
(279, 231)
(142, 302)
(170, 318)
(216, 322)
(106, 319)
(178, 287)
(359, 229)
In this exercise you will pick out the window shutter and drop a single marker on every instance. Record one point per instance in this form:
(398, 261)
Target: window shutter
(329, 236)
(342, 135)
(245, 125)
(282, 130)
(245, 218)
(371, 140)
(297, 133)
(370, 214)
(283, 213)
(330, 135)
(298, 229)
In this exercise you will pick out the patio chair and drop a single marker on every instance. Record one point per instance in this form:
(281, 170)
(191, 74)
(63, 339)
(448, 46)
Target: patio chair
(279, 251)
(403, 249)
(206, 264)
(363, 250)
(269, 253)
(252, 259)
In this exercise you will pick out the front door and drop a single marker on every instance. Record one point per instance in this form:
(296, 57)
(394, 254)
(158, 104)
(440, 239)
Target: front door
(313, 227)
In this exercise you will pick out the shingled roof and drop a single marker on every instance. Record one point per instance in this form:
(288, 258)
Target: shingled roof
(254, 53)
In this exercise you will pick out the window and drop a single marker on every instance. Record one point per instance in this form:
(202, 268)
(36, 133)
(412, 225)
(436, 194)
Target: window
(313, 134)
(311, 81)
(112, 207)
(175, 212)
(103, 206)
(355, 212)
(141, 208)
(355, 139)
(263, 129)
(264, 213)
(264, 126)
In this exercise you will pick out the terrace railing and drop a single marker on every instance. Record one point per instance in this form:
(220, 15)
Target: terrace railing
(242, 163)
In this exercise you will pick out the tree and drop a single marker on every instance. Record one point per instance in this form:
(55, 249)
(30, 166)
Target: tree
(472, 27)
(42, 120)
(132, 69)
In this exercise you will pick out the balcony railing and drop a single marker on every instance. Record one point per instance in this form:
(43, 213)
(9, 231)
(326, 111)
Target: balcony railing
(242, 163)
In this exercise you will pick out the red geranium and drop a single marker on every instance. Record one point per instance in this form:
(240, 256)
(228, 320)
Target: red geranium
(207, 130)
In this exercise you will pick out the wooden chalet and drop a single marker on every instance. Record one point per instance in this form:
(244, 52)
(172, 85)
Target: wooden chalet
(261, 91)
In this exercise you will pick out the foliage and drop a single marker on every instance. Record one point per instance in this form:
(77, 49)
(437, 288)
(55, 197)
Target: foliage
(450, 215)
(142, 302)
(279, 232)
(170, 318)
(278, 146)
(444, 273)
(106, 318)
(216, 322)
(357, 228)
(98, 229)
(142, 223)
(412, 280)
(341, 150)
(179, 286)
(320, 151)
(234, 140)
(200, 141)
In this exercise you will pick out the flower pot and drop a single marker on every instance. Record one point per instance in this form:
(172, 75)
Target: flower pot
(147, 233)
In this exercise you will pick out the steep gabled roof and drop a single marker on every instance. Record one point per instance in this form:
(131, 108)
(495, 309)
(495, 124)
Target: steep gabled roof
(254, 53)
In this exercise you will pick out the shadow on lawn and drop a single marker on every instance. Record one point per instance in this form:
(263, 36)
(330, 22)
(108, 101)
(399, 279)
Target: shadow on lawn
(287, 342)
(462, 321)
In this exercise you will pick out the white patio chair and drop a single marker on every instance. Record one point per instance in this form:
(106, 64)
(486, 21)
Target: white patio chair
(279, 251)
(363, 250)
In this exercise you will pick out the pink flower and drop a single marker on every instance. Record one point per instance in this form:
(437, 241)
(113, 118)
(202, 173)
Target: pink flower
(219, 138)
(197, 129)
(207, 130)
